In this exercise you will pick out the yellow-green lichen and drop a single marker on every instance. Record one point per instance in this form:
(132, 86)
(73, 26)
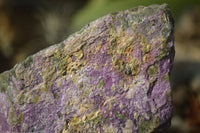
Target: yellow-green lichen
(78, 54)
(128, 126)
(113, 87)
(101, 83)
(148, 126)
(9, 93)
(132, 67)
(152, 71)
(21, 97)
(85, 123)
(32, 96)
(119, 115)
(113, 45)
(127, 50)
(110, 129)
(28, 97)
(74, 66)
(166, 77)
(118, 64)
(96, 48)
(146, 48)
(57, 53)
(162, 54)
(34, 99)
(96, 66)
(164, 45)
(15, 119)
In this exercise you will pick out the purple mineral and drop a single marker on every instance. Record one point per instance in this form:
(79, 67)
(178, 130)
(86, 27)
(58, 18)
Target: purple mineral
(110, 77)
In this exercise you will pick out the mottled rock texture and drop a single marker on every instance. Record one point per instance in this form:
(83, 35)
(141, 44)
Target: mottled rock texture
(111, 77)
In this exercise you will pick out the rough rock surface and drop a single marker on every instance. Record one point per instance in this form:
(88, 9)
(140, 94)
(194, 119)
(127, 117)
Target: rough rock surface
(112, 76)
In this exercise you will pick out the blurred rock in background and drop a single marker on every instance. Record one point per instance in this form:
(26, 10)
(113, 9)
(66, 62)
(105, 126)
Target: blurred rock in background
(27, 26)
(186, 72)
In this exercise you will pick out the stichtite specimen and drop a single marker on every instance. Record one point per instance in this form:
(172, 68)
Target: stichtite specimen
(110, 77)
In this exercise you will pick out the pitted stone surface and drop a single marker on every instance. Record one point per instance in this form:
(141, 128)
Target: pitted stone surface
(112, 76)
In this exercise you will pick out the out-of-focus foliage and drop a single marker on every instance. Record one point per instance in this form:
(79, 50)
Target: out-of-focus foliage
(97, 8)
(27, 26)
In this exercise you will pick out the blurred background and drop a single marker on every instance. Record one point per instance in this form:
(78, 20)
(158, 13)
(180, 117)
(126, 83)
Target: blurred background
(27, 26)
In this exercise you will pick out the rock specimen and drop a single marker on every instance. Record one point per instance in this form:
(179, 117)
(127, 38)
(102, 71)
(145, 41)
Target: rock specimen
(110, 77)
